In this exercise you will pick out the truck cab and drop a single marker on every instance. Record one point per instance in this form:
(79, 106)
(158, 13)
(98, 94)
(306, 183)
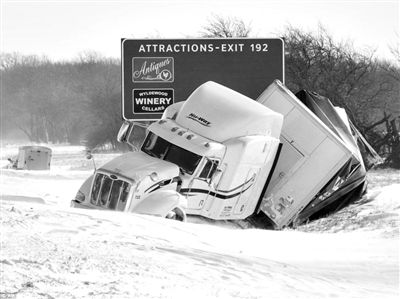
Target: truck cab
(216, 165)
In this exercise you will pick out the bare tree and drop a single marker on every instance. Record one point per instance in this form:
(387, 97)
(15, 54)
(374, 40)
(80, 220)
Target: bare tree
(226, 28)
(12, 60)
(392, 68)
(89, 57)
(365, 86)
(350, 79)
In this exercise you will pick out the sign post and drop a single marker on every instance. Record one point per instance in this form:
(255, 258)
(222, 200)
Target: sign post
(159, 72)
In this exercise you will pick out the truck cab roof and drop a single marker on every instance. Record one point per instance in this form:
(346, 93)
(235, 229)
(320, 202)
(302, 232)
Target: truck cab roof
(242, 116)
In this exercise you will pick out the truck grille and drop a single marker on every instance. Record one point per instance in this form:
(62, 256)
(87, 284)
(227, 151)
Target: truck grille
(109, 193)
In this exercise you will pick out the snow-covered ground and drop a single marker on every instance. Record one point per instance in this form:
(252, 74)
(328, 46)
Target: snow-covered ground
(49, 250)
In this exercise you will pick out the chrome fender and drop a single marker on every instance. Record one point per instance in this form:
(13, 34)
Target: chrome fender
(162, 203)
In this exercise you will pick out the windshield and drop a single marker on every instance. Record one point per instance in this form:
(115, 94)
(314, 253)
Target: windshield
(160, 148)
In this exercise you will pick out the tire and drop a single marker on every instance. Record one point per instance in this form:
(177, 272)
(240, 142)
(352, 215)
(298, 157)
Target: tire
(177, 214)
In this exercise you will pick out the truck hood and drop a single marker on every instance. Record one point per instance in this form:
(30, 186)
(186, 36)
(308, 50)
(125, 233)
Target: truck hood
(137, 165)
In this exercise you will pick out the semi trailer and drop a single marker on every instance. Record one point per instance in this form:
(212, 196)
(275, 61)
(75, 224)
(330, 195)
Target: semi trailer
(224, 156)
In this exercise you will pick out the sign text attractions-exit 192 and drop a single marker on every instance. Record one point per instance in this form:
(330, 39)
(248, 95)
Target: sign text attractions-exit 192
(202, 47)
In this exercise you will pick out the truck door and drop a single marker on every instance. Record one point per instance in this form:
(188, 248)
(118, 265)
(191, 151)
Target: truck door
(244, 197)
(199, 187)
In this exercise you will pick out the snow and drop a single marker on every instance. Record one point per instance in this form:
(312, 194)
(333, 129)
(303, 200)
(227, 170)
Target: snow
(377, 211)
(49, 250)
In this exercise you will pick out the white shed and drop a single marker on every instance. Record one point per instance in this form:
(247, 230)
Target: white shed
(34, 158)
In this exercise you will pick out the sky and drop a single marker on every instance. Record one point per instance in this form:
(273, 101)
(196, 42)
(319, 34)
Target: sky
(62, 29)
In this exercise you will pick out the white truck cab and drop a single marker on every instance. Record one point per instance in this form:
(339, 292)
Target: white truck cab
(214, 150)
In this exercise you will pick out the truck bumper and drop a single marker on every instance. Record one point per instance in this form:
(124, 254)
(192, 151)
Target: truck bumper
(77, 204)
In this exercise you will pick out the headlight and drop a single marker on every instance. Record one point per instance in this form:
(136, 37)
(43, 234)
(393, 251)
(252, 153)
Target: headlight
(80, 196)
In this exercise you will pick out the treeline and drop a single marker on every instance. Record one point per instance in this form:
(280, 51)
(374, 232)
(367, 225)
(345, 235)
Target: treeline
(74, 102)
(80, 101)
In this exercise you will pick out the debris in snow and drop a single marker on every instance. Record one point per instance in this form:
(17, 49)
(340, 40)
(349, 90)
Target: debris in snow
(378, 210)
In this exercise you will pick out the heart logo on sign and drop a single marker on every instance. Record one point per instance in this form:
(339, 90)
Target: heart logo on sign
(165, 75)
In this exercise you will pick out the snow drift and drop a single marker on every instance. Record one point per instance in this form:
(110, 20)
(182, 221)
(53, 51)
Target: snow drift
(49, 250)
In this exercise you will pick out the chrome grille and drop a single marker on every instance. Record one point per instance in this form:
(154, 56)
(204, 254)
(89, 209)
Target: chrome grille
(109, 193)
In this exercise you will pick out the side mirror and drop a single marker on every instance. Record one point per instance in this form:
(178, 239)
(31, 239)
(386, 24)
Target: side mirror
(89, 156)
(123, 132)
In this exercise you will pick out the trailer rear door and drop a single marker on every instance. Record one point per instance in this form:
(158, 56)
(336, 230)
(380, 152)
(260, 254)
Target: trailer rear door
(311, 155)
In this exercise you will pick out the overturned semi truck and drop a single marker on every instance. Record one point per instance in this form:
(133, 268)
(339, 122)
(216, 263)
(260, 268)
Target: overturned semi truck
(219, 154)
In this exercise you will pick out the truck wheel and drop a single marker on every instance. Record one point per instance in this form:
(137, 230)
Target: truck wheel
(177, 214)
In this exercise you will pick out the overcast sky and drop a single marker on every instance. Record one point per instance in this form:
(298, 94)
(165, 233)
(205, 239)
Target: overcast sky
(62, 29)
